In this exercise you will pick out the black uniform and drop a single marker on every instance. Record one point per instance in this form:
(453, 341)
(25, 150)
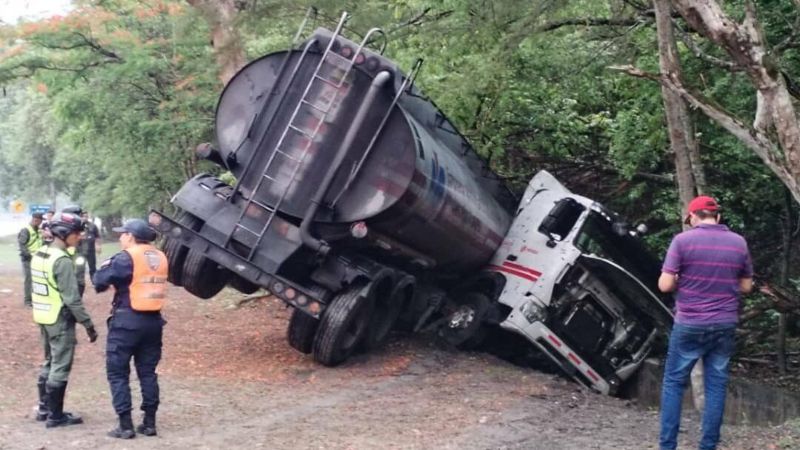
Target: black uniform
(87, 246)
(131, 334)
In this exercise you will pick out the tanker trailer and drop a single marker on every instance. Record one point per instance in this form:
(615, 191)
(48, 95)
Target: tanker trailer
(353, 193)
(357, 202)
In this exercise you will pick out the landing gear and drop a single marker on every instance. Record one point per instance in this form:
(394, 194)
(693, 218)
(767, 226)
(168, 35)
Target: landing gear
(242, 285)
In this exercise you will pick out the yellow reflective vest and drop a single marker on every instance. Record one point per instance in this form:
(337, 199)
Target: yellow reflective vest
(46, 297)
(34, 240)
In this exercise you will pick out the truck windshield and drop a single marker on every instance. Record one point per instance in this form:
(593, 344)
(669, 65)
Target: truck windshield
(599, 237)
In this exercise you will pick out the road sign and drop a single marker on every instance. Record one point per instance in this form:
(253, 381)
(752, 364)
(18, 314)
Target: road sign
(39, 208)
(17, 207)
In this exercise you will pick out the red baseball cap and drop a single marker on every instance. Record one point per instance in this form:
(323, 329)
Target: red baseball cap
(701, 203)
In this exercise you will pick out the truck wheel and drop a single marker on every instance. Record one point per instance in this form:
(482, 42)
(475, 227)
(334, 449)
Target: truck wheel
(464, 327)
(387, 309)
(242, 285)
(301, 331)
(343, 324)
(202, 276)
(175, 251)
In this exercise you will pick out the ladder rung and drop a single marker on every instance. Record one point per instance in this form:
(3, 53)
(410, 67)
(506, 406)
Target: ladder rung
(264, 205)
(303, 132)
(324, 111)
(339, 61)
(335, 84)
(239, 225)
(288, 156)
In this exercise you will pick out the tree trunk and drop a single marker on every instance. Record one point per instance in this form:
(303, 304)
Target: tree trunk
(786, 255)
(744, 43)
(681, 136)
(221, 18)
(688, 167)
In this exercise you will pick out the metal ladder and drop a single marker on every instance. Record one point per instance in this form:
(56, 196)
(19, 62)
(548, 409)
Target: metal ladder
(311, 14)
(297, 160)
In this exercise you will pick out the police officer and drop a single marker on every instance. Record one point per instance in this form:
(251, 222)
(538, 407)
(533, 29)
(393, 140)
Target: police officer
(78, 257)
(29, 241)
(139, 276)
(44, 229)
(56, 308)
(90, 243)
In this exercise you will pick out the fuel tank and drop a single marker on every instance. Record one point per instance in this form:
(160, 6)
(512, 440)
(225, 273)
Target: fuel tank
(408, 174)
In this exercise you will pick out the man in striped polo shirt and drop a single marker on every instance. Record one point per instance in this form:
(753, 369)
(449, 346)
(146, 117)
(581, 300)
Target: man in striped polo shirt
(708, 267)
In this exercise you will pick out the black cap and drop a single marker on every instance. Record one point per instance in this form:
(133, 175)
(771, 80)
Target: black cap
(139, 229)
(37, 215)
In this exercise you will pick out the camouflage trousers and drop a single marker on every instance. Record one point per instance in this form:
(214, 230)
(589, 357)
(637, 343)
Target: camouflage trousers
(28, 283)
(58, 342)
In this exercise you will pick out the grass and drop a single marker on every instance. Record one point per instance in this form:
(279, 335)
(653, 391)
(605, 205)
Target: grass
(9, 253)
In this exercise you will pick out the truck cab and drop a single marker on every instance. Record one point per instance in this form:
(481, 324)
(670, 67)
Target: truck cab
(580, 285)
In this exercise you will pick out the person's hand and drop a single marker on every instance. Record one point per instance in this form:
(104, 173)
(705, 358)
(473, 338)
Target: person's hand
(92, 334)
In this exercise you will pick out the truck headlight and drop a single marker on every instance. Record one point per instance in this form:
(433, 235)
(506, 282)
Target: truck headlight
(532, 311)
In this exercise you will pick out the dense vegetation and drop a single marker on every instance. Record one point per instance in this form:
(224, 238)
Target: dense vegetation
(107, 103)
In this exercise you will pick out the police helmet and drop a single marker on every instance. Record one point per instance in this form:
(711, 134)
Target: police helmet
(65, 223)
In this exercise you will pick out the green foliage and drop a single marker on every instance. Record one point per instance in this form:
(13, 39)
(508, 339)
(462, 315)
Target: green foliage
(110, 101)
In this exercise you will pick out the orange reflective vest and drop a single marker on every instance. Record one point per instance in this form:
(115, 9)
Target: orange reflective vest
(148, 289)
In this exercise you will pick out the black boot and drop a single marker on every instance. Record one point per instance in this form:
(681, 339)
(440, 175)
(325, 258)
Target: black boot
(57, 417)
(148, 425)
(43, 410)
(125, 428)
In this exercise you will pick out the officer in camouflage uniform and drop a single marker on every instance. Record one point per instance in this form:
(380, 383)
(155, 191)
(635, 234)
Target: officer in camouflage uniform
(29, 242)
(57, 308)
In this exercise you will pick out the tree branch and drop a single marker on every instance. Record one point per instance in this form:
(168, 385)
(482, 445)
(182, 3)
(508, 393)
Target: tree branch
(592, 22)
(758, 142)
(698, 52)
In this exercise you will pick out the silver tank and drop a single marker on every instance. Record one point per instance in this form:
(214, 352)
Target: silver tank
(421, 183)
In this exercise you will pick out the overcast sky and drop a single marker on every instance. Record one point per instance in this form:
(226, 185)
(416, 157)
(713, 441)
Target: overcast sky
(11, 10)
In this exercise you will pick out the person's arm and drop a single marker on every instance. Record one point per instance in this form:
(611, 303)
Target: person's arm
(64, 271)
(745, 285)
(746, 275)
(22, 241)
(667, 282)
(98, 242)
(115, 271)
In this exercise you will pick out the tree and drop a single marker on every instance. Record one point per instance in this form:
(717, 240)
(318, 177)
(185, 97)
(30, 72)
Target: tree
(745, 44)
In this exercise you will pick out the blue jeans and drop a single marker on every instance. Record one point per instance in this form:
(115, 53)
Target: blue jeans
(687, 344)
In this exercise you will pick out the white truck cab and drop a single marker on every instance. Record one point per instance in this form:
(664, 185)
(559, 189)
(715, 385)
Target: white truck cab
(580, 285)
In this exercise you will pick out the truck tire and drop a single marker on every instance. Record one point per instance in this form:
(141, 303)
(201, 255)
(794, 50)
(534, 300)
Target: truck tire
(344, 323)
(175, 251)
(202, 276)
(475, 306)
(386, 311)
(301, 331)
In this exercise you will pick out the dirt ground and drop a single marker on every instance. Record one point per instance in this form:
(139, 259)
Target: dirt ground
(229, 380)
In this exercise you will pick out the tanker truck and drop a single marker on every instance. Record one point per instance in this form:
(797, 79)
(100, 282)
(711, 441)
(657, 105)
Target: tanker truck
(361, 206)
